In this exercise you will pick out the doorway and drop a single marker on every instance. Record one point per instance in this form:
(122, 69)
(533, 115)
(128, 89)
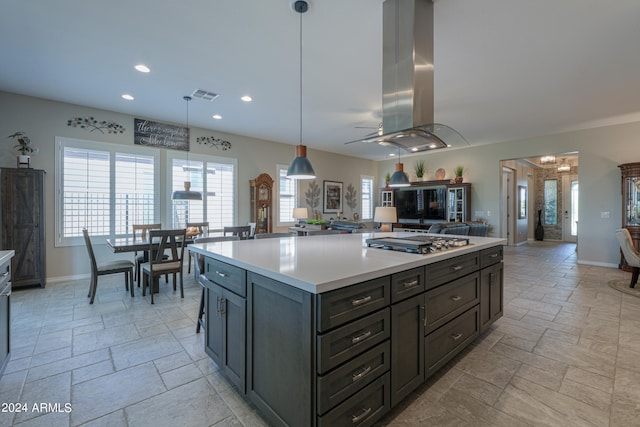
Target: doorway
(570, 208)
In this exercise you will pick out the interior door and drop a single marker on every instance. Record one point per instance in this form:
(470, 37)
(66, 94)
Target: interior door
(507, 218)
(570, 208)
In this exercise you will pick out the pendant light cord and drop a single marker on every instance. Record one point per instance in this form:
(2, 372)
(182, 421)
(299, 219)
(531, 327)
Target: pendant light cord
(187, 99)
(300, 78)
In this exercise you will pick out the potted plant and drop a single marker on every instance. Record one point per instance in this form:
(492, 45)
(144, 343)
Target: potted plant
(387, 178)
(458, 171)
(419, 169)
(24, 148)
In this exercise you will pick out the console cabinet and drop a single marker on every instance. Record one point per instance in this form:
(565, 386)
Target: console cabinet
(630, 189)
(347, 356)
(23, 220)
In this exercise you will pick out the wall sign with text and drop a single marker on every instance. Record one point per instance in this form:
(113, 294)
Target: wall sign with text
(155, 134)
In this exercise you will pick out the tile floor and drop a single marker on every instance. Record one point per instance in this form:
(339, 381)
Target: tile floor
(566, 352)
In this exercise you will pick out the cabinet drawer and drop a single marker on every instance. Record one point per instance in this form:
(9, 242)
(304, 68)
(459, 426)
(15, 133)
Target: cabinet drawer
(363, 409)
(444, 343)
(449, 300)
(490, 256)
(342, 344)
(343, 305)
(226, 275)
(354, 375)
(407, 284)
(450, 269)
(5, 273)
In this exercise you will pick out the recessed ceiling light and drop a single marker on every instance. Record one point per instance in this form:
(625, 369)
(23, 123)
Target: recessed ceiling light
(392, 154)
(414, 148)
(247, 98)
(127, 97)
(142, 68)
(217, 116)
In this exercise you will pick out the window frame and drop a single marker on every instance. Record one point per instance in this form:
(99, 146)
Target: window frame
(364, 217)
(296, 197)
(106, 147)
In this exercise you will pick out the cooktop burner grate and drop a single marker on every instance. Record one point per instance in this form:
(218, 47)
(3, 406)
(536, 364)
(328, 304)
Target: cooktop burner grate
(417, 244)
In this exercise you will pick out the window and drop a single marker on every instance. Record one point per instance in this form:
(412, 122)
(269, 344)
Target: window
(367, 197)
(103, 187)
(217, 185)
(550, 201)
(287, 196)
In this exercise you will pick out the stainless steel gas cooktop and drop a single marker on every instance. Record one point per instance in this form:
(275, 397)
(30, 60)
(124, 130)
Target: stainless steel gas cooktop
(422, 244)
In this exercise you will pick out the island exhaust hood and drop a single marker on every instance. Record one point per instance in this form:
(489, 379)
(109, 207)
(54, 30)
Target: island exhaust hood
(407, 80)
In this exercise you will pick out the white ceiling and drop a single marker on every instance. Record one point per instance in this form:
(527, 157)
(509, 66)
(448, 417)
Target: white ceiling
(504, 69)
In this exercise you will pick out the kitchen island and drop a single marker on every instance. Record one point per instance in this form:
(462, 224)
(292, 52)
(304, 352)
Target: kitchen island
(325, 330)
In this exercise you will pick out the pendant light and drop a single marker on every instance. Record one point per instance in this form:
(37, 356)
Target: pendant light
(399, 178)
(300, 167)
(187, 194)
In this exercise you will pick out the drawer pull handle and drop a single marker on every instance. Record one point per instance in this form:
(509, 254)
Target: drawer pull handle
(456, 336)
(361, 337)
(221, 274)
(457, 268)
(358, 418)
(360, 375)
(5, 274)
(456, 298)
(360, 301)
(494, 255)
(411, 283)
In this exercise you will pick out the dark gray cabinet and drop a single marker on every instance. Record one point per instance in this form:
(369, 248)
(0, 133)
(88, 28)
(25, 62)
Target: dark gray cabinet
(346, 356)
(23, 224)
(492, 287)
(225, 319)
(5, 314)
(407, 347)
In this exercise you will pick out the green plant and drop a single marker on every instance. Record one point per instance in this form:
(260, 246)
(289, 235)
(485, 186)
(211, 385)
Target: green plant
(24, 144)
(387, 177)
(459, 170)
(419, 168)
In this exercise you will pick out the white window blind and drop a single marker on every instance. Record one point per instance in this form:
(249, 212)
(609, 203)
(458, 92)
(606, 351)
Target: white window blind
(366, 193)
(103, 187)
(218, 187)
(287, 196)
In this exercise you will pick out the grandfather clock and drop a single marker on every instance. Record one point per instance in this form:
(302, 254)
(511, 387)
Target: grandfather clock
(262, 203)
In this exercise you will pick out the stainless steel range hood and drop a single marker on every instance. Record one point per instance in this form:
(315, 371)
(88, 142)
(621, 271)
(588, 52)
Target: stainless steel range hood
(407, 80)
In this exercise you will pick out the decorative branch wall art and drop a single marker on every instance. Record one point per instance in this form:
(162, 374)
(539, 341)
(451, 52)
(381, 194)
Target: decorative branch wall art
(351, 197)
(220, 144)
(91, 123)
(312, 195)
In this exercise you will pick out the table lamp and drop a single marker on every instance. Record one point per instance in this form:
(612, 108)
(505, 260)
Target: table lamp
(300, 214)
(385, 215)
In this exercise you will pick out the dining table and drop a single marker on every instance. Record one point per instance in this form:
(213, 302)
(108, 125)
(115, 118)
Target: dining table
(137, 244)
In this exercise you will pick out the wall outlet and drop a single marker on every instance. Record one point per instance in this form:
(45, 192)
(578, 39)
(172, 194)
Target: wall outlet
(479, 214)
(604, 215)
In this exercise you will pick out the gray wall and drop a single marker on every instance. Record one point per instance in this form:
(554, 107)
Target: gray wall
(601, 150)
(43, 120)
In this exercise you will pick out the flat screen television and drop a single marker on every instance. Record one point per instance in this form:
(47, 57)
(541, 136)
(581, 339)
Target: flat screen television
(418, 204)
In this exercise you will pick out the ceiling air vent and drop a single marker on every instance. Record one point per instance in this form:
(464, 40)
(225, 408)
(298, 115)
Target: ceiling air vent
(203, 94)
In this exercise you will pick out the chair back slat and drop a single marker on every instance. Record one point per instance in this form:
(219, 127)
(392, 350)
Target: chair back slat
(167, 240)
(92, 257)
(242, 231)
(141, 230)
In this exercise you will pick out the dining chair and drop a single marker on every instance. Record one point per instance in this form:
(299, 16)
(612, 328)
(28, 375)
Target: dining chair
(630, 253)
(252, 232)
(158, 265)
(273, 235)
(242, 231)
(194, 229)
(109, 267)
(199, 267)
(140, 232)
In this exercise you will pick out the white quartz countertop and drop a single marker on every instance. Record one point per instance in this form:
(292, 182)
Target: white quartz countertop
(323, 263)
(6, 255)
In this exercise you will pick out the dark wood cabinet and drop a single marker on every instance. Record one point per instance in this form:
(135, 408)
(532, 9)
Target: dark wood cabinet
(491, 295)
(23, 224)
(630, 187)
